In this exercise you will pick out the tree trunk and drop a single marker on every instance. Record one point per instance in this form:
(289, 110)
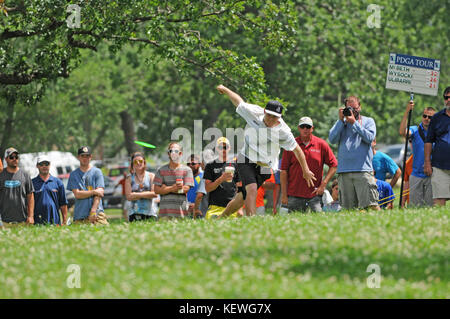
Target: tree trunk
(128, 131)
(8, 124)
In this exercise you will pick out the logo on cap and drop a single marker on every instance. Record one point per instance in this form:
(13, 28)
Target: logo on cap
(85, 149)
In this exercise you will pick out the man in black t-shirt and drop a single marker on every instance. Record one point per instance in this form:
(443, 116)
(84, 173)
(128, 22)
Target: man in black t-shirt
(220, 180)
(16, 191)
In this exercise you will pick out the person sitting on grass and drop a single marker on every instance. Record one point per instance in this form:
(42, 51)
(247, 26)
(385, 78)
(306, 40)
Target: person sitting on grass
(386, 197)
(173, 181)
(334, 206)
(139, 190)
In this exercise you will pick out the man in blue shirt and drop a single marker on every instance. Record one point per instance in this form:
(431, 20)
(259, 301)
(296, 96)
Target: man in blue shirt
(386, 197)
(437, 158)
(420, 191)
(87, 185)
(354, 134)
(49, 195)
(383, 164)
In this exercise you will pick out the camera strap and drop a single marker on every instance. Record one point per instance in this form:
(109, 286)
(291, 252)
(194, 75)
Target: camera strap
(421, 133)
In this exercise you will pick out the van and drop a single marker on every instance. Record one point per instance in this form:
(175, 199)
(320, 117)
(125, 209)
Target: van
(61, 163)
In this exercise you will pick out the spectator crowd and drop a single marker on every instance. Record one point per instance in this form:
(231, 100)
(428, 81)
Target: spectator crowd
(217, 184)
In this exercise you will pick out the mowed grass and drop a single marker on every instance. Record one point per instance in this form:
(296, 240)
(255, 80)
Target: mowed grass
(296, 256)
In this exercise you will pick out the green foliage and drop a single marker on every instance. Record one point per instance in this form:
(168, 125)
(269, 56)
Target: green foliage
(297, 256)
(308, 54)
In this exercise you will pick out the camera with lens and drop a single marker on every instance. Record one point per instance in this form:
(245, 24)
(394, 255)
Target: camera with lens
(348, 110)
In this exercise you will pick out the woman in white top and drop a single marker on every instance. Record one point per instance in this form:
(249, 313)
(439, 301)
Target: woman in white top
(139, 190)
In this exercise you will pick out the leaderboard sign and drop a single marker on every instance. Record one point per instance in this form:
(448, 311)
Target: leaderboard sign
(413, 74)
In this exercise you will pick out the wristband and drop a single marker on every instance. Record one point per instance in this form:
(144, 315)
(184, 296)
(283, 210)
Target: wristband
(92, 213)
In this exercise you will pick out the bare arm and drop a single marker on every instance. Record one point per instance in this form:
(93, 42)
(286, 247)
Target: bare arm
(164, 190)
(211, 186)
(307, 174)
(80, 194)
(64, 214)
(30, 208)
(428, 170)
(397, 175)
(325, 181)
(276, 193)
(284, 185)
(235, 98)
(135, 195)
(404, 122)
(268, 185)
(198, 200)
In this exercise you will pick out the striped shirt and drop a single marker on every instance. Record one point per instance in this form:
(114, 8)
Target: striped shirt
(173, 205)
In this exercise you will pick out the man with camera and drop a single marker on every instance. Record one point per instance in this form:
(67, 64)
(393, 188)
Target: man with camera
(354, 134)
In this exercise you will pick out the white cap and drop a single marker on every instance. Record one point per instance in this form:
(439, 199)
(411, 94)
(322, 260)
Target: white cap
(43, 158)
(305, 120)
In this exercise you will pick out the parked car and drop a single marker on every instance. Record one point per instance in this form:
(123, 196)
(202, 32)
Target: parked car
(396, 152)
(69, 195)
(113, 196)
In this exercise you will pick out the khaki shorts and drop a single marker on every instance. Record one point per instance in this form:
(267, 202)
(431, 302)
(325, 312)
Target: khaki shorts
(357, 190)
(440, 183)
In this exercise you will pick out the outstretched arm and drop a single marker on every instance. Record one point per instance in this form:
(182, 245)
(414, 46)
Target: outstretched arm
(234, 97)
(307, 174)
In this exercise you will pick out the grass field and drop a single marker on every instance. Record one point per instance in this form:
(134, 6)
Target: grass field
(295, 256)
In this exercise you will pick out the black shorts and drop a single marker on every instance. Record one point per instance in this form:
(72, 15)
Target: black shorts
(136, 217)
(249, 173)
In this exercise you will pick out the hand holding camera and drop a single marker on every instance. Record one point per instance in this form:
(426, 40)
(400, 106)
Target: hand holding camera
(349, 113)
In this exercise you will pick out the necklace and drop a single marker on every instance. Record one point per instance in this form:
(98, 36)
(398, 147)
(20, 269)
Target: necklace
(140, 180)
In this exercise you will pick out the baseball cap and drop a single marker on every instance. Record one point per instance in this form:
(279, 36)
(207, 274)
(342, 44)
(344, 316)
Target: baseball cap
(274, 108)
(84, 150)
(222, 140)
(305, 120)
(43, 158)
(10, 151)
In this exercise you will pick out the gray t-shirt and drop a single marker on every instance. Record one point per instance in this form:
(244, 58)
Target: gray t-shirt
(14, 188)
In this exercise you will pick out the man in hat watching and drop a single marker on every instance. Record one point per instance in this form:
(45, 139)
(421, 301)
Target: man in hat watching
(16, 191)
(266, 132)
(296, 194)
(49, 195)
(87, 185)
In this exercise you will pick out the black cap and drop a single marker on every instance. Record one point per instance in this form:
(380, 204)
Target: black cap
(274, 108)
(84, 150)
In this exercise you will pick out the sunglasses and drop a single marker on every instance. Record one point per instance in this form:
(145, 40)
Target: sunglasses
(446, 97)
(221, 147)
(427, 116)
(12, 157)
(192, 164)
(305, 126)
(174, 151)
(44, 164)
(138, 161)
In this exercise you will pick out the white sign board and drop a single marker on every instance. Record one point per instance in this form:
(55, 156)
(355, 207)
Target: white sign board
(413, 74)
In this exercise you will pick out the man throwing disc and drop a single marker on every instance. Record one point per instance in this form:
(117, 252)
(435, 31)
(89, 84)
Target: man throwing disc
(265, 133)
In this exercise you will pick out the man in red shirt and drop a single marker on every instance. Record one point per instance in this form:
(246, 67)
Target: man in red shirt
(295, 192)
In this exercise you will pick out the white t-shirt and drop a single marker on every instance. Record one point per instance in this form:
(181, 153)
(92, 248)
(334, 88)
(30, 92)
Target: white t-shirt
(261, 143)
